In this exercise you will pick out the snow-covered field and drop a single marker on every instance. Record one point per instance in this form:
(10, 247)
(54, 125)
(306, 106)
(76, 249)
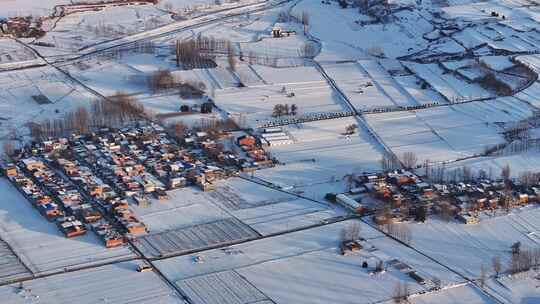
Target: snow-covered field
(77, 31)
(117, 283)
(313, 165)
(467, 247)
(17, 107)
(423, 53)
(270, 211)
(312, 95)
(302, 267)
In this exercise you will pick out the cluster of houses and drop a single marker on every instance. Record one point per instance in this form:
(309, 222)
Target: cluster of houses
(253, 147)
(53, 196)
(21, 27)
(408, 197)
(89, 181)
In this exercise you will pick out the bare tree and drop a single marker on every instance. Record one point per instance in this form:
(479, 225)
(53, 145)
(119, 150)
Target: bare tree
(8, 149)
(401, 293)
(351, 129)
(399, 231)
(231, 59)
(516, 248)
(496, 265)
(527, 178)
(351, 232)
(379, 267)
(294, 109)
(505, 173)
(389, 162)
(161, 80)
(409, 160)
(305, 22)
(521, 261)
(446, 211)
(308, 50)
(278, 110)
(179, 130)
(483, 276)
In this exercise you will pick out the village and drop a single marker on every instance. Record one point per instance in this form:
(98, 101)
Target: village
(88, 182)
(269, 152)
(401, 195)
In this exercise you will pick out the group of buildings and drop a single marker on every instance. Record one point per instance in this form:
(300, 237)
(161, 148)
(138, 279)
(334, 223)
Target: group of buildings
(405, 196)
(89, 181)
(21, 27)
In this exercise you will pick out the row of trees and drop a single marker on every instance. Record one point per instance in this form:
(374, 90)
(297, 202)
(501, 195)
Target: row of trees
(200, 52)
(165, 80)
(284, 110)
(116, 111)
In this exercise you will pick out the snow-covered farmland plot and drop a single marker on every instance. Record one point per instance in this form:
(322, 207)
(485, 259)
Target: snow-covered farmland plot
(305, 267)
(184, 208)
(439, 133)
(17, 91)
(358, 86)
(196, 237)
(11, 267)
(302, 86)
(423, 96)
(466, 248)
(267, 210)
(530, 94)
(116, 283)
(519, 163)
(79, 30)
(226, 287)
(519, 288)
(386, 84)
(13, 54)
(323, 153)
(40, 245)
(448, 85)
(348, 38)
(460, 294)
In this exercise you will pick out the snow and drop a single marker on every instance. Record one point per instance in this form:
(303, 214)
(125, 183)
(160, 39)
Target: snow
(497, 63)
(117, 283)
(270, 211)
(353, 81)
(255, 104)
(287, 268)
(353, 41)
(184, 208)
(319, 151)
(17, 107)
(76, 31)
(467, 247)
(437, 133)
(519, 288)
(454, 295)
(452, 88)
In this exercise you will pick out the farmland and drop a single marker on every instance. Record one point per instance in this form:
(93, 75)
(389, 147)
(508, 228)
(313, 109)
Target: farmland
(269, 152)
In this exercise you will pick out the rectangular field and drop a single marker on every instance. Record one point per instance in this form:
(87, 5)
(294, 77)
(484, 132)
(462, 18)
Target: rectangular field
(116, 283)
(304, 267)
(226, 287)
(196, 237)
(11, 268)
